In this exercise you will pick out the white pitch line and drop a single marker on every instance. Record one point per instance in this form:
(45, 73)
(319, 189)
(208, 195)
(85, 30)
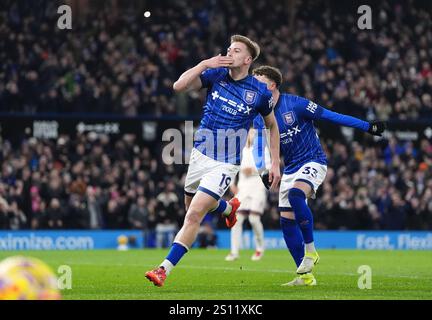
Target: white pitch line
(243, 269)
(285, 271)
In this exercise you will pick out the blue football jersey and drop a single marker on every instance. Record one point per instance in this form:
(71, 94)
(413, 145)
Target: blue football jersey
(299, 141)
(229, 110)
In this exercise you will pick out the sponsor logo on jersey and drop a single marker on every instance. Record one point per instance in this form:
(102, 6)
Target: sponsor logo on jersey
(233, 107)
(287, 136)
(289, 118)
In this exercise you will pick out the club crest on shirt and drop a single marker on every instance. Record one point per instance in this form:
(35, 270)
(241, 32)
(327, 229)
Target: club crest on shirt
(250, 96)
(289, 118)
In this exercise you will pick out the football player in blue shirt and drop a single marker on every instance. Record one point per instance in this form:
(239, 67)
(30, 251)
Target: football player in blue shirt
(234, 99)
(305, 166)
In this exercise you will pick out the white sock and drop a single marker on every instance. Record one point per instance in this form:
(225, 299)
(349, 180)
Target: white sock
(167, 265)
(227, 210)
(236, 234)
(258, 229)
(310, 247)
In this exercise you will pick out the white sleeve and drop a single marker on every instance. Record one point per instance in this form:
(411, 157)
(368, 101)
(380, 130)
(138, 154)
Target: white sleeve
(267, 158)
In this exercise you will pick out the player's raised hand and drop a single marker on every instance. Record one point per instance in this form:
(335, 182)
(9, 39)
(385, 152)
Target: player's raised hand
(274, 176)
(377, 128)
(219, 61)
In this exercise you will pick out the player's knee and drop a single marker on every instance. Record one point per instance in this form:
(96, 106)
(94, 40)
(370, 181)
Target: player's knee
(288, 215)
(254, 218)
(296, 197)
(193, 217)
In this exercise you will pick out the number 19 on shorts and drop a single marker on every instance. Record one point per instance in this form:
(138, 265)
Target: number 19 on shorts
(225, 182)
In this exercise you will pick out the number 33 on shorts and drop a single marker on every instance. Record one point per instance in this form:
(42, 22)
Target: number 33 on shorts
(310, 171)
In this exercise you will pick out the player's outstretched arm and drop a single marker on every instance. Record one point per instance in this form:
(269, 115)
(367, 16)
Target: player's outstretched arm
(314, 111)
(274, 174)
(375, 128)
(190, 80)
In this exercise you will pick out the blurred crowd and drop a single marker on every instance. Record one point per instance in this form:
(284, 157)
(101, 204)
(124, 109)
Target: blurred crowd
(387, 186)
(117, 61)
(88, 183)
(97, 182)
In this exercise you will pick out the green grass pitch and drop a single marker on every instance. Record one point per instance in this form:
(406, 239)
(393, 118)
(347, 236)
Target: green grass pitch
(204, 275)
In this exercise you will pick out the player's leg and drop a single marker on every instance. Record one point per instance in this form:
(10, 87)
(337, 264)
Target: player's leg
(291, 231)
(188, 199)
(227, 209)
(258, 230)
(294, 240)
(192, 181)
(237, 230)
(306, 182)
(293, 236)
(297, 197)
(223, 207)
(236, 234)
(199, 206)
(204, 179)
(258, 204)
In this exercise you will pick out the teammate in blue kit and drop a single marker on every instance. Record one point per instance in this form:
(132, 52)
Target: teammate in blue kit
(234, 99)
(305, 167)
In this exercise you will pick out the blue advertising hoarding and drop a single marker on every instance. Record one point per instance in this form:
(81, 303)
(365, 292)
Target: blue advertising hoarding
(66, 240)
(88, 240)
(368, 240)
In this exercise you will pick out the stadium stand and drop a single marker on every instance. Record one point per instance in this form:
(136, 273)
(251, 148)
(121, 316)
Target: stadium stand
(117, 63)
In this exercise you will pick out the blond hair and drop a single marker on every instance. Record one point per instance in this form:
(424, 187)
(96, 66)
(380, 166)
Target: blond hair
(252, 46)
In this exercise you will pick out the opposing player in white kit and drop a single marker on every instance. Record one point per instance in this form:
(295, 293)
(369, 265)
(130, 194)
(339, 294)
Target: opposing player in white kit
(252, 195)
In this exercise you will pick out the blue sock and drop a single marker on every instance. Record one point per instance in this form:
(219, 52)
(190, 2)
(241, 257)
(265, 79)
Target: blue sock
(293, 239)
(222, 205)
(303, 214)
(176, 253)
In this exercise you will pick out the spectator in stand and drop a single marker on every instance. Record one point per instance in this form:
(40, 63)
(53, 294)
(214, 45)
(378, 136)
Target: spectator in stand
(138, 214)
(4, 214)
(17, 218)
(55, 215)
(167, 207)
(94, 211)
